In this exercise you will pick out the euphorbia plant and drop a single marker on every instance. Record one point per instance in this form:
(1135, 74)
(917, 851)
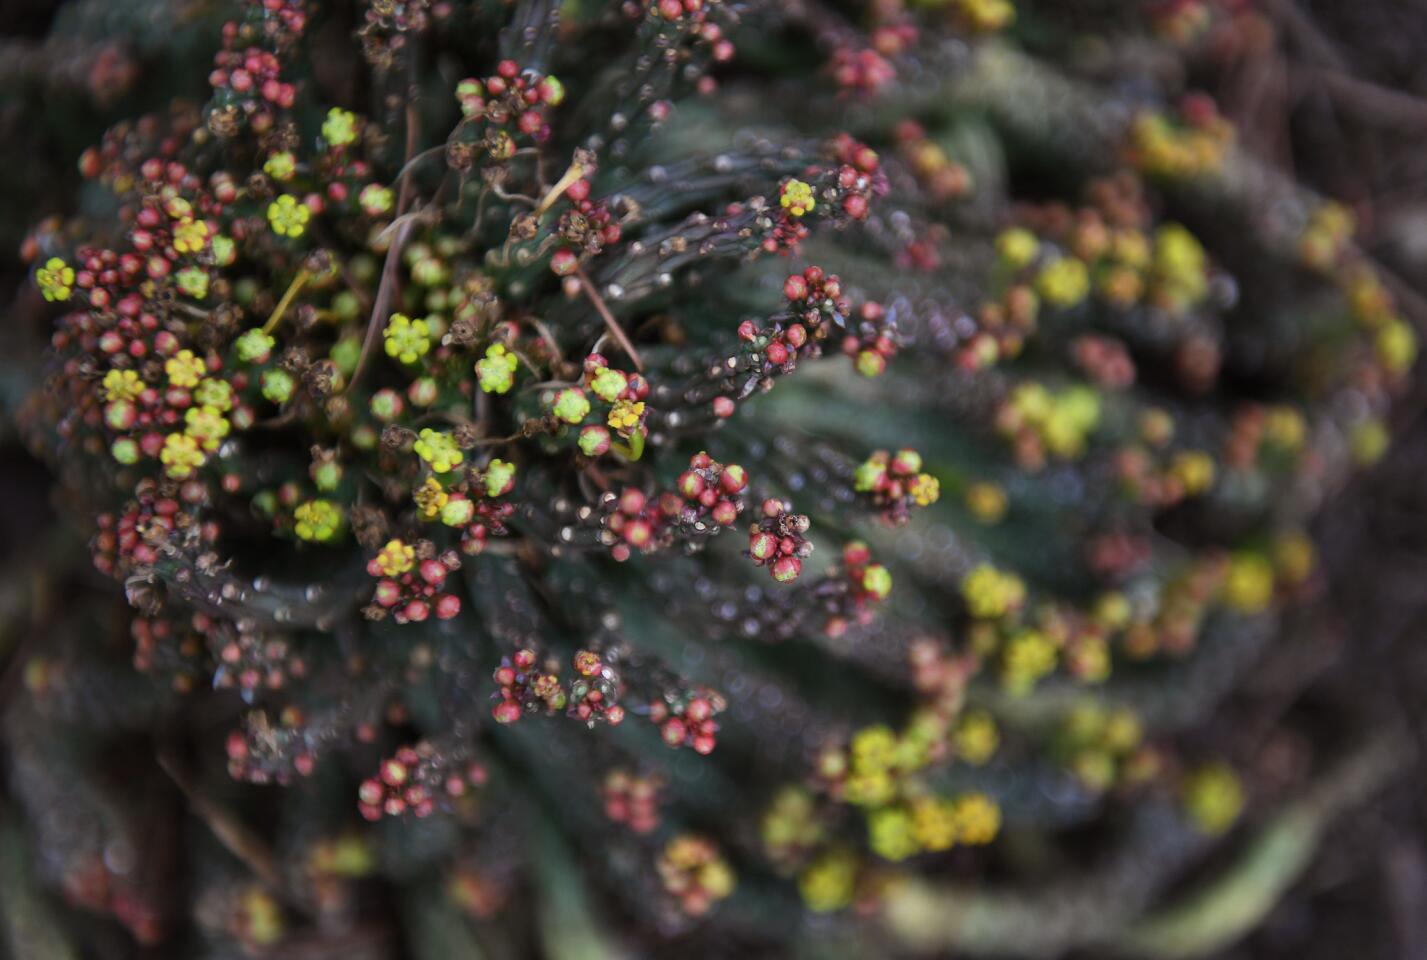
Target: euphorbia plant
(432, 398)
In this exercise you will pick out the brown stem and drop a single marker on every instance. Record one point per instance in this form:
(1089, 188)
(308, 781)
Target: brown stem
(615, 329)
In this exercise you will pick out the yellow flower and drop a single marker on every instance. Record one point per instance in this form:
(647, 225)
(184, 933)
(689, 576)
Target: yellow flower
(430, 498)
(340, 127)
(190, 236)
(1213, 798)
(986, 501)
(1194, 469)
(122, 385)
(214, 393)
(925, 489)
(873, 748)
(829, 882)
(180, 455)
(317, 520)
(1063, 282)
(978, 819)
(56, 279)
(439, 450)
(396, 558)
(1017, 246)
(207, 425)
(1029, 655)
(797, 198)
(976, 737)
(406, 339)
(1248, 588)
(934, 821)
(626, 414)
(184, 369)
(989, 593)
(288, 216)
(891, 833)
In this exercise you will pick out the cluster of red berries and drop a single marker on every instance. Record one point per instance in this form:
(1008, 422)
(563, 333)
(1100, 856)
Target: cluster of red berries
(858, 178)
(636, 523)
(262, 753)
(937, 673)
(587, 225)
(865, 584)
(708, 492)
(251, 660)
(489, 521)
(170, 646)
(127, 541)
(815, 303)
(414, 780)
(632, 799)
(510, 101)
(686, 719)
(894, 483)
(594, 693)
(706, 498)
(248, 84)
(1104, 360)
(524, 689)
(874, 343)
(412, 582)
(779, 541)
(861, 71)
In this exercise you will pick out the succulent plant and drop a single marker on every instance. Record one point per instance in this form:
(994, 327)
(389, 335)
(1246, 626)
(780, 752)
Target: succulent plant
(699, 472)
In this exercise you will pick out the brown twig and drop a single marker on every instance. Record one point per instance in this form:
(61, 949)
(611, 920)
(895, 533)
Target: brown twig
(238, 839)
(615, 329)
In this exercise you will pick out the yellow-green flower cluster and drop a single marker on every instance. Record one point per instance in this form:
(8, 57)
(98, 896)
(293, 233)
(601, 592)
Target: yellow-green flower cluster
(1213, 798)
(990, 593)
(317, 520)
(1100, 746)
(439, 450)
(340, 127)
(790, 825)
(181, 455)
(1063, 281)
(1165, 148)
(933, 824)
(797, 198)
(1249, 583)
(122, 385)
(288, 216)
(1027, 655)
(986, 16)
(406, 339)
(1061, 422)
(495, 372)
(1181, 276)
(207, 425)
(829, 882)
(975, 737)
(184, 369)
(55, 279)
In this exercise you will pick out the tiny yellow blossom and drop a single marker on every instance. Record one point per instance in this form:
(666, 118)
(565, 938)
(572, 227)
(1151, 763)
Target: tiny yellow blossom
(184, 369)
(626, 414)
(430, 498)
(978, 818)
(190, 236)
(122, 385)
(180, 455)
(56, 279)
(797, 198)
(288, 216)
(396, 558)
